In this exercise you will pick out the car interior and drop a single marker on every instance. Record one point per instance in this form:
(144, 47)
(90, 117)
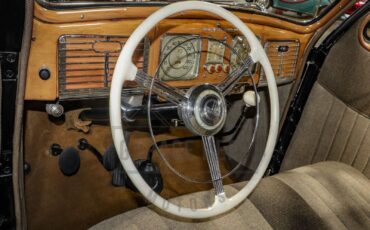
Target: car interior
(222, 114)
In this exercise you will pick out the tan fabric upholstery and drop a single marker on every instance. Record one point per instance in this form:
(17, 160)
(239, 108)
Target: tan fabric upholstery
(246, 215)
(336, 192)
(336, 119)
(346, 71)
(282, 207)
(330, 130)
(327, 195)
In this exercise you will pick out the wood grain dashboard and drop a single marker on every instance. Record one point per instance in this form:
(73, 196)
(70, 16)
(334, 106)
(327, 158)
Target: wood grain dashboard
(45, 51)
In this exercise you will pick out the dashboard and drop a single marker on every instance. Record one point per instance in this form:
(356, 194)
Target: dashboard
(79, 57)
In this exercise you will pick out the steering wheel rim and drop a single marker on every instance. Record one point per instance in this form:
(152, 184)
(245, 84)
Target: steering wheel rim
(126, 70)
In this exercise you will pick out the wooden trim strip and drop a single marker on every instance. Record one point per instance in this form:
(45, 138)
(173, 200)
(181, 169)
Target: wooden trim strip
(85, 15)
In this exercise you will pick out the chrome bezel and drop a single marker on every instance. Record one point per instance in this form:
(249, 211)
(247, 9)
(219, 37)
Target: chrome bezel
(190, 111)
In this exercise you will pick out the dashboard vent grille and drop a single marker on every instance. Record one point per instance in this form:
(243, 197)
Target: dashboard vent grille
(86, 64)
(283, 56)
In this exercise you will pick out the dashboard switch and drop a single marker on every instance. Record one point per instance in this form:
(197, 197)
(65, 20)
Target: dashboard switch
(210, 68)
(226, 68)
(283, 49)
(218, 68)
(44, 74)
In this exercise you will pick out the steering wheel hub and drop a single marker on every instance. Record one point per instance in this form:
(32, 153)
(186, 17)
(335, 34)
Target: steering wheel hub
(211, 110)
(204, 113)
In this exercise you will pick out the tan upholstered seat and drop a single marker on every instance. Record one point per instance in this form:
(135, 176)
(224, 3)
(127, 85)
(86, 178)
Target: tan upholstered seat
(326, 195)
(335, 124)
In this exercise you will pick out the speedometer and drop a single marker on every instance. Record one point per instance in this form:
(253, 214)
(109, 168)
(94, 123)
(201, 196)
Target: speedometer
(180, 56)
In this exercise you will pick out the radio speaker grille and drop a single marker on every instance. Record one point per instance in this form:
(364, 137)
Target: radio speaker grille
(283, 56)
(86, 64)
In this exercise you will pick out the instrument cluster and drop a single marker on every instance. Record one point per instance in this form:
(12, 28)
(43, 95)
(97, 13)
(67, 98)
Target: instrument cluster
(188, 57)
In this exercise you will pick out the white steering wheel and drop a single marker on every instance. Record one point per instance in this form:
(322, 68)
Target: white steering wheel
(196, 118)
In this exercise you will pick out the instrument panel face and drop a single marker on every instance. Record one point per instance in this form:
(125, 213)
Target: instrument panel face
(205, 58)
(179, 57)
(186, 57)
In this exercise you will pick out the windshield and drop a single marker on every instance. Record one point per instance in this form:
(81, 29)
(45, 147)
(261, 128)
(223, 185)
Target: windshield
(299, 10)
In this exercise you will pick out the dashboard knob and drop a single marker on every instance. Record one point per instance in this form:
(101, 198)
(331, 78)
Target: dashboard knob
(210, 68)
(218, 68)
(44, 74)
(226, 68)
(249, 98)
(55, 110)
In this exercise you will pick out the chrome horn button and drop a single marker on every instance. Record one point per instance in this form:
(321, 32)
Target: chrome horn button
(210, 110)
(204, 113)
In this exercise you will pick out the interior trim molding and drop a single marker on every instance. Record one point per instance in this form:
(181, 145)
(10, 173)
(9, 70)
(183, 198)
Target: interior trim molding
(363, 42)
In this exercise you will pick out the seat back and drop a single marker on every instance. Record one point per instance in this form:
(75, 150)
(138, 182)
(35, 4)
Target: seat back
(335, 124)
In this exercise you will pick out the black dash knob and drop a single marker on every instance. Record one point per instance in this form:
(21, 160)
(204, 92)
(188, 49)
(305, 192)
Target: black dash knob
(55, 149)
(283, 49)
(44, 74)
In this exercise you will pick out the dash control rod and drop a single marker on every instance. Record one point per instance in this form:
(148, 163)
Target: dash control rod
(132, 113)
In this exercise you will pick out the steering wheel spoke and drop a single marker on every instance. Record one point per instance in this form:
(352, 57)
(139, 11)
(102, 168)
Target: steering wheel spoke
(234, 77)
(166, 91)
(210, 150)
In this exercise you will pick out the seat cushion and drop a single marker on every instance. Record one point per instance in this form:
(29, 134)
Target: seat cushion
(326, 195)
(246, 215)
